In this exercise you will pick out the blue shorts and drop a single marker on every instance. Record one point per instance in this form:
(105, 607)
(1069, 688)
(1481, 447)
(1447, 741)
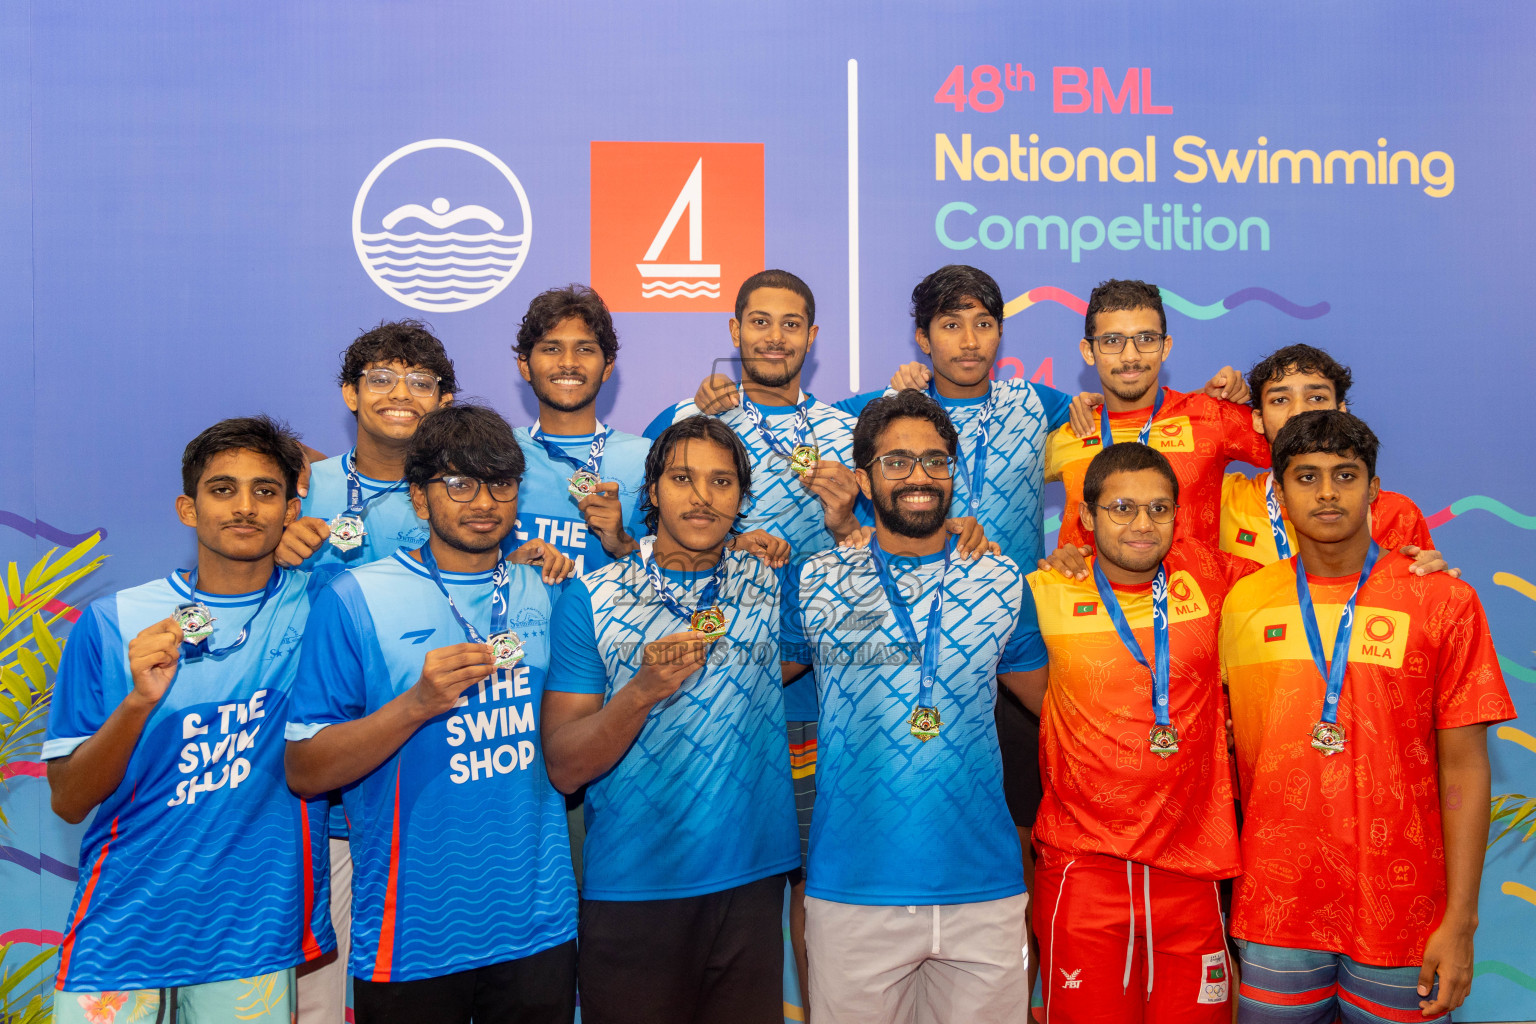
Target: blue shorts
(1307, 986)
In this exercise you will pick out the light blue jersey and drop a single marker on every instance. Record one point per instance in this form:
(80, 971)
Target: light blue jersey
(1011, 509)
(781, 504)
(546, 509)
(201, 866)
(460, 852)
(702, 801)
(900, 821)
(389, 520)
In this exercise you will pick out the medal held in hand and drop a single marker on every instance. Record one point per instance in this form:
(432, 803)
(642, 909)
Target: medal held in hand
(347, 532)
(709, 621)
(804, 458)
(1328, 735)
(925, 723)
(583, 484)
(506, 649)
(195, 620)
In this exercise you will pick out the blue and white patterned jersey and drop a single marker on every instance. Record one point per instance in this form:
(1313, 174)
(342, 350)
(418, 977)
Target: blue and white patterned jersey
(702, 801)
(460, 852)
(781, 504)
(389, 521)
(899, 821)
(546, 509)
(202, 865)
(1012, 505)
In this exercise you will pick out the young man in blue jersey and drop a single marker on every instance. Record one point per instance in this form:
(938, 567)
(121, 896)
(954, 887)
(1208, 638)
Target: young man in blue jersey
(915, 899)
(418, 696)
(582, 484)
(666, 697)
(202, 878)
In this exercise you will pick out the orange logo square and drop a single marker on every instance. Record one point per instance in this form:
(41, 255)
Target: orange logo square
(676, 226)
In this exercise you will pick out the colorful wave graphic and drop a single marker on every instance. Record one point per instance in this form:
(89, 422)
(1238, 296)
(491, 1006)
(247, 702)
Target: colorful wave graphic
(1485, 504)
(32, 936)
(1507, 971)
(1176, 302)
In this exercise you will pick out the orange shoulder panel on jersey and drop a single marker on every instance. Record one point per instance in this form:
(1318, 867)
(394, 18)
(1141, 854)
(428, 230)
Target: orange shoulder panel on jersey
(1345, 852)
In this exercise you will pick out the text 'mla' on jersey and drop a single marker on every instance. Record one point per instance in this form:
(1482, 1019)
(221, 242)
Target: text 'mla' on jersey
(546, 509)
(1105, 791)
(460, 853)
(389, 521)
(900, 821)
(780, 503)
(1245, 528)
(1346, 852)
(702, 801)
(201, 866)
(1199, 434)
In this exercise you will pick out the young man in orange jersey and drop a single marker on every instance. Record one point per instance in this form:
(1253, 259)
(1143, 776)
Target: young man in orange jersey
(1137, 824)
(1286, 383)
(1125, 338)
(1361, 698)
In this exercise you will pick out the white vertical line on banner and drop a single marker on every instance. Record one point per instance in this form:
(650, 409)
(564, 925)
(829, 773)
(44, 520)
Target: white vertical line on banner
(853, 225)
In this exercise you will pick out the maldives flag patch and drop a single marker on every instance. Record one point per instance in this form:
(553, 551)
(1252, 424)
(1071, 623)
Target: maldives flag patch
(1090, 442)
(1085, 608)
(1246, 537)
(1272, 633)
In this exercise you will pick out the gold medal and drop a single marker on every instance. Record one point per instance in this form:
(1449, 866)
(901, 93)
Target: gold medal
(709, 621)
(1164, 740)
(804, 458)
(1328, 738)
(925, 723)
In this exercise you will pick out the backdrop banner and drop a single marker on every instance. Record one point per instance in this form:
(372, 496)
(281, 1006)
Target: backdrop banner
(202, 205)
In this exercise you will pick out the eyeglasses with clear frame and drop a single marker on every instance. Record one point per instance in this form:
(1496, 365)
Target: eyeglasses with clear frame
(382, 380)
(1125, 512)
(465, 489)
(1146, 341)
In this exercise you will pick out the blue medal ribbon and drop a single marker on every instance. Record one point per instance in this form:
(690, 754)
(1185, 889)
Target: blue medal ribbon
(707, 599)
(932, 634)
(501, 584)
(1107, 436)
(804, 436)
(1116, 615)
(197, 650)
(1332, 671)
(355, 503)
(979, 440)
(1276, 520)
(594, 463)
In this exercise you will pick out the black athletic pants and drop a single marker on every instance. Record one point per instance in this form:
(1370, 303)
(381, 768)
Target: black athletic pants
(537, 989)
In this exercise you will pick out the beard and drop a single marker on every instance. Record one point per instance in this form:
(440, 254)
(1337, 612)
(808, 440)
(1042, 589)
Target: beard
(564, 405)
(1132, 393)
(912, 524)
(446, 527)
(770, 374)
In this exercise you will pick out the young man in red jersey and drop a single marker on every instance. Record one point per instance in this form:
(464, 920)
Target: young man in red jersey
(1361, 698)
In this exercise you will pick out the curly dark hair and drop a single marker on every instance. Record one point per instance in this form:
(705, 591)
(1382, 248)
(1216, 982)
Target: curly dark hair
(908, 404)
(549, 308)
(1114, 295)
(1298, 359)
(464, 438)
(406, 341)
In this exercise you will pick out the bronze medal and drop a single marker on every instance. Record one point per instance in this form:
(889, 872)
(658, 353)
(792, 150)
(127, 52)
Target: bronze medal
(709, 621)
(925, 723)
(1328, 738)
(1164, 740)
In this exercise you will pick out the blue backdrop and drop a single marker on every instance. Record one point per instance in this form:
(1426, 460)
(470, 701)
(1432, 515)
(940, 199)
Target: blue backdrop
(178, 184)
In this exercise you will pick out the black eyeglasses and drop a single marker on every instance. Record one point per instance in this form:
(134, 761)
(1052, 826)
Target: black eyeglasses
(382, 381)
(899, 465)
(1125, 512)
(1146, 341)
(464, 489)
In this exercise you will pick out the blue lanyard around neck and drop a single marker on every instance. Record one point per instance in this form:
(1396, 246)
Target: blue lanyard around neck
(979, 441)
(1128, 637)
(1332, 671)
(355, 501)
(1107, 436)
(903, 614)
(594, 463)
(201, 647)
(804, 437)
(707, 599)
(500, 592)
(1276, 520)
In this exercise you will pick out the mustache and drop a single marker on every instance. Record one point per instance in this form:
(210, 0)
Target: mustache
(901, 492)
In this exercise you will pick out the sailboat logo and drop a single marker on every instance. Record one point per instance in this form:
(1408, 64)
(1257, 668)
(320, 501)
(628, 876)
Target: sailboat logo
(445, 230)
(692, 279)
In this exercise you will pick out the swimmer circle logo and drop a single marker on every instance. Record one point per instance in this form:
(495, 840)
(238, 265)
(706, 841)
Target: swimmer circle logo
(431, 253)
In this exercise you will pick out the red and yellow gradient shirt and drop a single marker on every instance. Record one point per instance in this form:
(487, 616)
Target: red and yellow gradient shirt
(1395, 520)
(1346, 853)
(1199, 434)
(1105, 791)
